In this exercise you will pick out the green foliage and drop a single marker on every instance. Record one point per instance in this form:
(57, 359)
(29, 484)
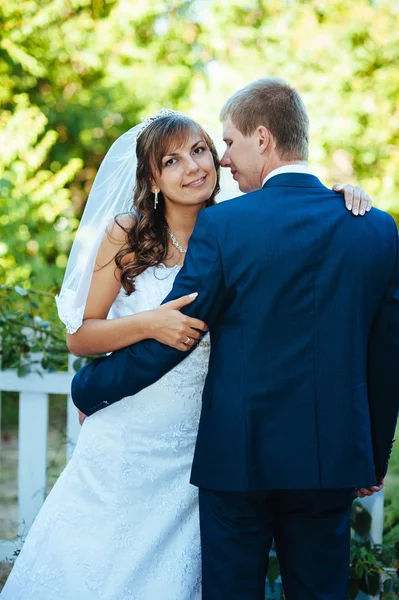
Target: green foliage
(33, 200)
(365, 572)
(30, 343)
(368, 561)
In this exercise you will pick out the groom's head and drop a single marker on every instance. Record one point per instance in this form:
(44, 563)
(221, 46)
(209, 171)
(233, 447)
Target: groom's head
(265, 126)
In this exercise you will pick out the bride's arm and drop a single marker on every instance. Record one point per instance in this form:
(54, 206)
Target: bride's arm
(97, 335)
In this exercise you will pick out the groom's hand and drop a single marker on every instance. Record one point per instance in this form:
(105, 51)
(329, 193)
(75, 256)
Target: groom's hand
(81, 417)
(369, 491)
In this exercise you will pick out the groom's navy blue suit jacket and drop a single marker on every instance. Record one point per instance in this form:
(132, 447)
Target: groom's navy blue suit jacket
(302, 302)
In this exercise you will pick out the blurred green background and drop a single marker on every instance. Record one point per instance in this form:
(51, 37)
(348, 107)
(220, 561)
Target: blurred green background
(75, 74)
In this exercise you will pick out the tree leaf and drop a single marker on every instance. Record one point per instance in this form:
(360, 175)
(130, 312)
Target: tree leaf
(371, 584)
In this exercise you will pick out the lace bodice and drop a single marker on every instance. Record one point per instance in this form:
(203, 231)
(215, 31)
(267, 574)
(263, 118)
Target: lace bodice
(152, 286)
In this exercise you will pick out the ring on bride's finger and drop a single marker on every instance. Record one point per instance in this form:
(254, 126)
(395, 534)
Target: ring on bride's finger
(187, 342)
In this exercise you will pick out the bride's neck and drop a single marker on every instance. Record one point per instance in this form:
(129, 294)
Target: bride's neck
(182, 222)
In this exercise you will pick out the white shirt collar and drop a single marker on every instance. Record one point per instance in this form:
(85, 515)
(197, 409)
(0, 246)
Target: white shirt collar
(288, 169)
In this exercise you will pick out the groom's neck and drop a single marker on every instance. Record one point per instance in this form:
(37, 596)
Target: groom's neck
(275, 163)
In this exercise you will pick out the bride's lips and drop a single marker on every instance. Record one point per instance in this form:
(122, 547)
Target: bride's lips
(197, 183)
(234, 173)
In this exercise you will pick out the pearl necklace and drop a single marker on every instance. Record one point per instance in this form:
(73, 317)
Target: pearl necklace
(175, 242)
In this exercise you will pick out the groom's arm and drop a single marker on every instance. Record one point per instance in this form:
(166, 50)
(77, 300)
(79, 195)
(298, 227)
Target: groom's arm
(129, 370)
(383, 371)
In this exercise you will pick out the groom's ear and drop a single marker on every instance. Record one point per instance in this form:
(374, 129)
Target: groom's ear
(265, 139)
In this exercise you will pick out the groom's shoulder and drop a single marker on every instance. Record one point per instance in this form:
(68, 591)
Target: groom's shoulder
(382, 218)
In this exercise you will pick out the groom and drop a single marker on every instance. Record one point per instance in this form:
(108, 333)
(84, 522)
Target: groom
(301, 398)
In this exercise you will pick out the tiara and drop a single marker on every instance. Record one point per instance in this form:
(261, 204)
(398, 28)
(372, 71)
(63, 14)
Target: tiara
(146, 121)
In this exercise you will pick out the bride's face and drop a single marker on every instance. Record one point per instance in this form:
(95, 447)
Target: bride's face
(188, 174)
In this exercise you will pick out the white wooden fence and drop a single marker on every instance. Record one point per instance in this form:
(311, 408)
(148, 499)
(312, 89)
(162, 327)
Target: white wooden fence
(34, 393)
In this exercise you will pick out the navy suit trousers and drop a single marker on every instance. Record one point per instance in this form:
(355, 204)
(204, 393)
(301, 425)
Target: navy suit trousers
(311, 530)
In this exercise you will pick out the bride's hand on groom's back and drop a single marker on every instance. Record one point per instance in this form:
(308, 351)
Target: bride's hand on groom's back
(356, 200)
(171, 327)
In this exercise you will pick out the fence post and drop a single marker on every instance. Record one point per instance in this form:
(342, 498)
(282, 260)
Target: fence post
(32, 456)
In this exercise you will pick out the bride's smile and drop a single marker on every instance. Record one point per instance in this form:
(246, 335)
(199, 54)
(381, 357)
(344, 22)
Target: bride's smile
(196, 183)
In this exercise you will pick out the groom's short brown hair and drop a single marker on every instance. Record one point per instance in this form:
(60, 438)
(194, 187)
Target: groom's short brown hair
(273, 103)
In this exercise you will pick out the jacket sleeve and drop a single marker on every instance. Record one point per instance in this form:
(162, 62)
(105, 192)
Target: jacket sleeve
(127, 371)
(383, 371)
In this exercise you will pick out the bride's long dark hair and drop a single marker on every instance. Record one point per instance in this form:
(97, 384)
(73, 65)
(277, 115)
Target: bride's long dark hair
(146, 237)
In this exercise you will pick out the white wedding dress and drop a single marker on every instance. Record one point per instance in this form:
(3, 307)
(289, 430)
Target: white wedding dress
(121, 523)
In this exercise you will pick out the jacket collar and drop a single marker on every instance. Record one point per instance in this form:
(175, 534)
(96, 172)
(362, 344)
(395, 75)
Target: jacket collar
(291, 168)
(293, 180)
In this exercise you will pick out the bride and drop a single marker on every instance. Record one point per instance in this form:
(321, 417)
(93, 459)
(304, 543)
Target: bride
(121, 523)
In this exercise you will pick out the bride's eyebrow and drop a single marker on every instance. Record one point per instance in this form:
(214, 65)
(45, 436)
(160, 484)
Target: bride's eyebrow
(192, 148)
